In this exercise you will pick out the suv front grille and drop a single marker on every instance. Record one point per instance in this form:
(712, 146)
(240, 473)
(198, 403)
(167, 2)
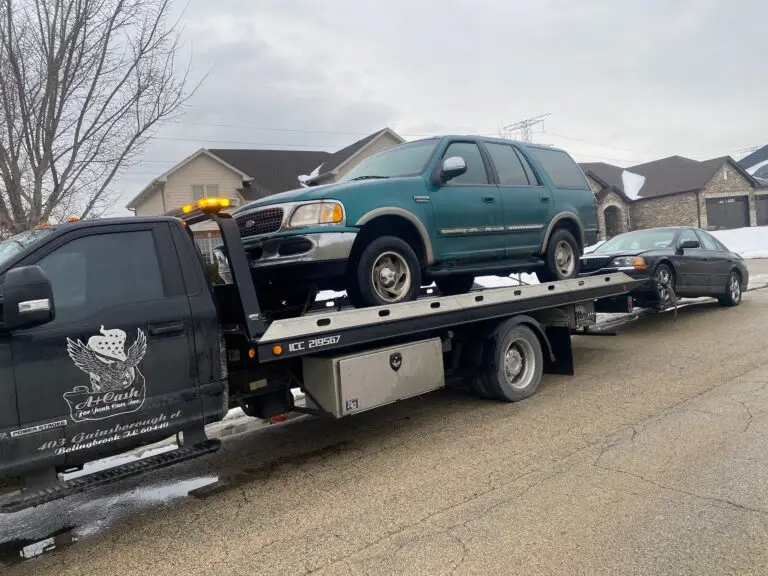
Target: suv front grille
(261, 222)
(590, 263)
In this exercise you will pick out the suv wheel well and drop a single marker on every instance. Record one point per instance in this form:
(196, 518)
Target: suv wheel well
(572, 227)
(389, 226)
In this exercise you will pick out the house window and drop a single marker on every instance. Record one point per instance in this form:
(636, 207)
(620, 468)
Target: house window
(203, 190)
(206, 246)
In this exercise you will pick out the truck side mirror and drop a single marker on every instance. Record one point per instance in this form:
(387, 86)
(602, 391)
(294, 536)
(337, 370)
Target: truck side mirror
(452, 167)
(27, 298)
(687, 244)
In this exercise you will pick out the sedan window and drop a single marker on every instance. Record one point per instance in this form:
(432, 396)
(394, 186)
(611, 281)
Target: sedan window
(707, 242)
(639, 240)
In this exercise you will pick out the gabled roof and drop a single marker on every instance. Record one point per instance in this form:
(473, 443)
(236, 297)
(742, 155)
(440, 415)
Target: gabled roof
(758, 156)
(164, 176)
(671, 175)
(337, 159)
(271, 171)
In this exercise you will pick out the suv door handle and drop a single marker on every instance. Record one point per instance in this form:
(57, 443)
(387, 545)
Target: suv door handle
(167, 329)
(489, 199)
(544, 199)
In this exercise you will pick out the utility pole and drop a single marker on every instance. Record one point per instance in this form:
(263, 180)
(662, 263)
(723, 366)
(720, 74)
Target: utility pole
(523, 128)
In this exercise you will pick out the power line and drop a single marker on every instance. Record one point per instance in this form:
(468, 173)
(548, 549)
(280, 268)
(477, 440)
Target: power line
(593, 143)
(523, 127)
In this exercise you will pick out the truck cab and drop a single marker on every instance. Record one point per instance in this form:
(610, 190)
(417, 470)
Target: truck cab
(109, 339)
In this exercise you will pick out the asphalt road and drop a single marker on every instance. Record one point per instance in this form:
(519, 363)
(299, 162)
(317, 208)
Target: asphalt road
(652, 460)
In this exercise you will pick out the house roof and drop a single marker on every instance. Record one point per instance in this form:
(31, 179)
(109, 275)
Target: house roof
(671, 175)
(271, 171)
(758, 156)
(335, 160)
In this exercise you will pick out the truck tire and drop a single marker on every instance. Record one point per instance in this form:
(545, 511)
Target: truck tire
(513, 363)
(388, 272)
(561, 258)
(458, 284)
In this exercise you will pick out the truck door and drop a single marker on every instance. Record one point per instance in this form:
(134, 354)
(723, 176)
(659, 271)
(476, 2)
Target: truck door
(116, 364)
(9, 420)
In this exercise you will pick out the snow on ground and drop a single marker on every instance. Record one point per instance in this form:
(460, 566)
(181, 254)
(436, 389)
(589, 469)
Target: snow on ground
(749, 242)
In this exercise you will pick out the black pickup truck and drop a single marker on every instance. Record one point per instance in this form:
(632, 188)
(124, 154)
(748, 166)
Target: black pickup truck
(112, 336)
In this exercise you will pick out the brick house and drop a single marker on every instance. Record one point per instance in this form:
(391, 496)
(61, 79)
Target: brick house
(713, 194)
(243, 175)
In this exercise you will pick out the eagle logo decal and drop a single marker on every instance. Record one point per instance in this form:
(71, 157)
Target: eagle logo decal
(116, 384)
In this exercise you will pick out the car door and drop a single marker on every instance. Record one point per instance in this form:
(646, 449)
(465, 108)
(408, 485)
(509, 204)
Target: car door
(117, 360)
(467, 210)
(691, 267)
(525, 200)
(719, 263)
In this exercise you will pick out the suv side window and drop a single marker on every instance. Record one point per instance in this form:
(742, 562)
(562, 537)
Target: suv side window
(562, 170)
(508, 165)
(475, 173)
(92, 273)
(707, 242)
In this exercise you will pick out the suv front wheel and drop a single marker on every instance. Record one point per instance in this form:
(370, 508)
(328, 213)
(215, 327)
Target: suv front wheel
(561, 258)
(387, 272)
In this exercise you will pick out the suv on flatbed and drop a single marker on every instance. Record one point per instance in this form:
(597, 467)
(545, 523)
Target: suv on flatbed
(442, 209)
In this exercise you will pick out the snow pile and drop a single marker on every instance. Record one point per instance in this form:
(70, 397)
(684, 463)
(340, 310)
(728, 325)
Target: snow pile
(501, 281)
(632, 184)
(749, 242)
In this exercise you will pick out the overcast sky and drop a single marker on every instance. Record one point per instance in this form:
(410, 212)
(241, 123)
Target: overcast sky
(625, 82)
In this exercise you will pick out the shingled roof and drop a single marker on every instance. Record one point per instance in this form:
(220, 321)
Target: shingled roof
(666, 176)
(758, 156)
(272, 171)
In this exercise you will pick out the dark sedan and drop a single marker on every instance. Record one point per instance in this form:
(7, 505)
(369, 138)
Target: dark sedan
(691, 261)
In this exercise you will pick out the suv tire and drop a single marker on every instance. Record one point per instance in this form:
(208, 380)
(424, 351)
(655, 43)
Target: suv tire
(452, 285)
(387, 272)
(561, 258)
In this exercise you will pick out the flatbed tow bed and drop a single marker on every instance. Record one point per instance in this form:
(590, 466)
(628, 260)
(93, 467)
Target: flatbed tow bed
(495, 343)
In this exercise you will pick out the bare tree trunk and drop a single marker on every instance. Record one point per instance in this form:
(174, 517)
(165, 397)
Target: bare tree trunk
(82, 85)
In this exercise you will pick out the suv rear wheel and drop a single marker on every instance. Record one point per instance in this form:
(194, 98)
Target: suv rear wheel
(387, 272)
(561, 258)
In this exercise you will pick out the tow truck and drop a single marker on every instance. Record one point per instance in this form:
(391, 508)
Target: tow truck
(112, 337)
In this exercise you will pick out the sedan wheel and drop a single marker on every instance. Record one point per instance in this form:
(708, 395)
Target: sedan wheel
(732, 295)
(665, 285)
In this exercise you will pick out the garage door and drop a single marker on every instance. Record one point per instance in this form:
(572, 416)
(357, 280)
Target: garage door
(761, 206)
(724, 213)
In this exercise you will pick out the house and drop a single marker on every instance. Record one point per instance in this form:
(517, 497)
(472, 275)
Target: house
(713, 194)
(243, 175)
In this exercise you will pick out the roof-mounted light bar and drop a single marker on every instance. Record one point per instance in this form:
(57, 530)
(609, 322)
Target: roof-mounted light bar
(203, 207)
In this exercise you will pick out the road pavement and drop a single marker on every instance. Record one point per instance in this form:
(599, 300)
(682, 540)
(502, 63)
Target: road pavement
(653, 459)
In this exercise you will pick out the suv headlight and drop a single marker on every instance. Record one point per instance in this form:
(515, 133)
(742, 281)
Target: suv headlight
(629, 262)
(317, 213)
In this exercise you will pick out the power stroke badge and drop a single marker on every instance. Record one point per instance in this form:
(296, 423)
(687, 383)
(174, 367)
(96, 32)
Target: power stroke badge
(117, 386)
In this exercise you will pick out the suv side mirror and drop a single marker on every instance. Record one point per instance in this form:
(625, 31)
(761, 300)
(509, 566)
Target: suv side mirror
(27, 298)
(687, 244)
(452, 167)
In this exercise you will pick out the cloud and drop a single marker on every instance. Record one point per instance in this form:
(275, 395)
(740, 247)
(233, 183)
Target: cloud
(626, 82)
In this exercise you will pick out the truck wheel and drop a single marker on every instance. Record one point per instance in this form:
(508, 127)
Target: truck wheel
(514, 363)
(561, 258)
(732, 295)
(459, 284)
(388, 272)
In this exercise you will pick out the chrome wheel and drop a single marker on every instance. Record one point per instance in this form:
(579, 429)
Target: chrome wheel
(565, 259)
(663, 281)
(391, 277)
(519, 364)
(735, 288)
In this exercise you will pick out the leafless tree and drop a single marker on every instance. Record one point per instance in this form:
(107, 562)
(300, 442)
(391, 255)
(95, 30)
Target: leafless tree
(82, 85)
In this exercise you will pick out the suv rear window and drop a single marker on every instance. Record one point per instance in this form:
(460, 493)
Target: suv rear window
(562, 170)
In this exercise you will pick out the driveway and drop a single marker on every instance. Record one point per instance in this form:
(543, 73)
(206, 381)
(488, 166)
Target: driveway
(652, 460)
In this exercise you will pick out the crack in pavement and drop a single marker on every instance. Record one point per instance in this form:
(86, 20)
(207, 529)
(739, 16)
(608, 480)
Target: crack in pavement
(711, 499)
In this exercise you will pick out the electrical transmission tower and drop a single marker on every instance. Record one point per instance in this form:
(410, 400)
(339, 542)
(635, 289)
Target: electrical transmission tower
(523, 128)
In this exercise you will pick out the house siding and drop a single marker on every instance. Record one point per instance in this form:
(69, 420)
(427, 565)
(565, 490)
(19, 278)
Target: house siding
(732, 184)
(202, 170)
(675, 210)
(152, 206)
(377, 145)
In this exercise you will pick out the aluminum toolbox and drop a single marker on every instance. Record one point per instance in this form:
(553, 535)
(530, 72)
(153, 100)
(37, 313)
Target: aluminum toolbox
(344, 385)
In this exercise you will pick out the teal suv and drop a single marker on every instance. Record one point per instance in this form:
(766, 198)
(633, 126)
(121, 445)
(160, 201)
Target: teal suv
(441, 210)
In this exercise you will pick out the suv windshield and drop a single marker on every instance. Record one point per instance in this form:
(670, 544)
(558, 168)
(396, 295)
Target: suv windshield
(404, 160)
(640, 240)
(15, 244)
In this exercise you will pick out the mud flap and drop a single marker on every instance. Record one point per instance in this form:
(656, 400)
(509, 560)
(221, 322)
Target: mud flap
(561, 360)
